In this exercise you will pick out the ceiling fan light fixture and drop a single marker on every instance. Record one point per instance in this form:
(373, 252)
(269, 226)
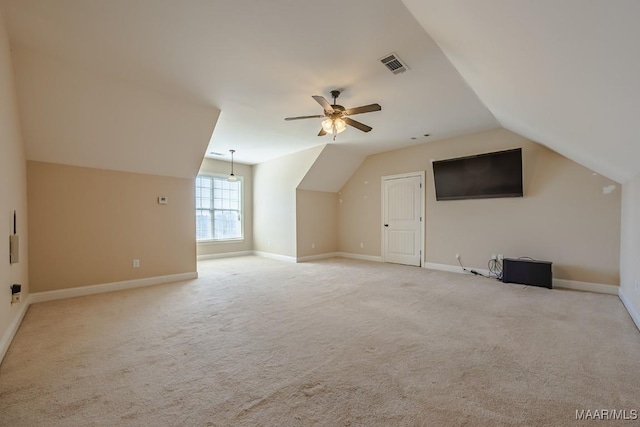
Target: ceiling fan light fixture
(329, 125)
(336, 118)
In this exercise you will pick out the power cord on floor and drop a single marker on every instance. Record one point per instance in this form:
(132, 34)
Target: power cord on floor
(467, 270)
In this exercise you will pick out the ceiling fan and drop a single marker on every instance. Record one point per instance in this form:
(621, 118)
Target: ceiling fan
(336, 116)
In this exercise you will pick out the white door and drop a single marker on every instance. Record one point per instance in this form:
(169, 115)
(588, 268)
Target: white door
(402, 208)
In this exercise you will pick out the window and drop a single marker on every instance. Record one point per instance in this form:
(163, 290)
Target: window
(218, 208)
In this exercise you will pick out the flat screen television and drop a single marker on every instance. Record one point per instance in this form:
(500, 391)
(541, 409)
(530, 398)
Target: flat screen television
(482, 176)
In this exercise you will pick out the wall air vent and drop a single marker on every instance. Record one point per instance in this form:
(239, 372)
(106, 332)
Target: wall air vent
(394, 63)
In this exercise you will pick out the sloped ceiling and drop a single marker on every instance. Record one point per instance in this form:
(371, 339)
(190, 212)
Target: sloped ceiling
(261, 61)
(562, 73)
(84, 117)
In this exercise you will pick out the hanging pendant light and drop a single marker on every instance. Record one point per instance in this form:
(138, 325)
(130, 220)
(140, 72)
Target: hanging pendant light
(232, 177)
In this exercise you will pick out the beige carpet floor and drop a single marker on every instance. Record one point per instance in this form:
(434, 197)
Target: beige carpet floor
(331, 343)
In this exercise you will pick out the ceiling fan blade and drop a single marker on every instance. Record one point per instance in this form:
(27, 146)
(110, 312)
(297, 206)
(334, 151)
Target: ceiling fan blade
(364, 109)
(322, 132)
(325, 104)
(305, 117)
(357, 125)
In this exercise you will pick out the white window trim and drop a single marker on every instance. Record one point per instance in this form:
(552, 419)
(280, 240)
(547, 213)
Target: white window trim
(242, 212)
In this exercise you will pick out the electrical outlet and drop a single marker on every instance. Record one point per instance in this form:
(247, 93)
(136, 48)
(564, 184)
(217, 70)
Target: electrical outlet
(494, 257)
(500, 257)
(136, 263)
(15, 298)
(313, 246)
(361, 245)
(457, 256)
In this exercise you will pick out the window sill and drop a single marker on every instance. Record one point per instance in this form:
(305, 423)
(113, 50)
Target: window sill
(218, 242)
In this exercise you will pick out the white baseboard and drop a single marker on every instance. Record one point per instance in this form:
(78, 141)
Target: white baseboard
(270, 255)
(317, 257)
(359, 256)
(574, 285)
(278, 257)
(224, 255)
(630, 308)
(7, 337)
(109, 287)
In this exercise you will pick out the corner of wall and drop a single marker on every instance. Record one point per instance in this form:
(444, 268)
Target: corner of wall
(630, 248)
(13, 197)
(274, 201)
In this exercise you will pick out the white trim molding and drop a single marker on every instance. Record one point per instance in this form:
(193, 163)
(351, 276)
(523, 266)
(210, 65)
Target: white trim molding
(627, 304)
(224, 255)
(359, 256)
(278, 257)
(7, 337)
(109, 287)
(574, 285)
(317, 257)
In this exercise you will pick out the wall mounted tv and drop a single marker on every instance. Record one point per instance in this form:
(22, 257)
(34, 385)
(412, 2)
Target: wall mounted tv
(482, 176)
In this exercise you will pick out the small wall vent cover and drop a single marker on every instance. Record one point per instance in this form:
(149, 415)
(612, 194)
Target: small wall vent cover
(394, 63)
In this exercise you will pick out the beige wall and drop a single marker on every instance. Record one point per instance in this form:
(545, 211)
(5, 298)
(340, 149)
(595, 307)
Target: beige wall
(218, 167)
(630, 245)
(87, 225)
(564, 216)
(274, 201)
(316, 222)
(13, 194)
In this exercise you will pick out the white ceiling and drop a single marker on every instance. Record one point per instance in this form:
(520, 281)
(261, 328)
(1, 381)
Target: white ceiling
(260, 61)
(564, 73)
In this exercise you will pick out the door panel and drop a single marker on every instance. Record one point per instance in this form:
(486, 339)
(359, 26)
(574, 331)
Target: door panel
(402, 207)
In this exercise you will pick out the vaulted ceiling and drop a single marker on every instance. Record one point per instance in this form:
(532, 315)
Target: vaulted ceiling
(561, 73)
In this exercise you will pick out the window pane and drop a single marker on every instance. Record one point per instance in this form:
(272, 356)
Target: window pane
(203, 225)
(203, 193)
(218, 204)
(227, 224)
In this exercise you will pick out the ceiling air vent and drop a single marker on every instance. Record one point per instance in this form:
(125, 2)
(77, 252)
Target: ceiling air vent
(393, 63)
